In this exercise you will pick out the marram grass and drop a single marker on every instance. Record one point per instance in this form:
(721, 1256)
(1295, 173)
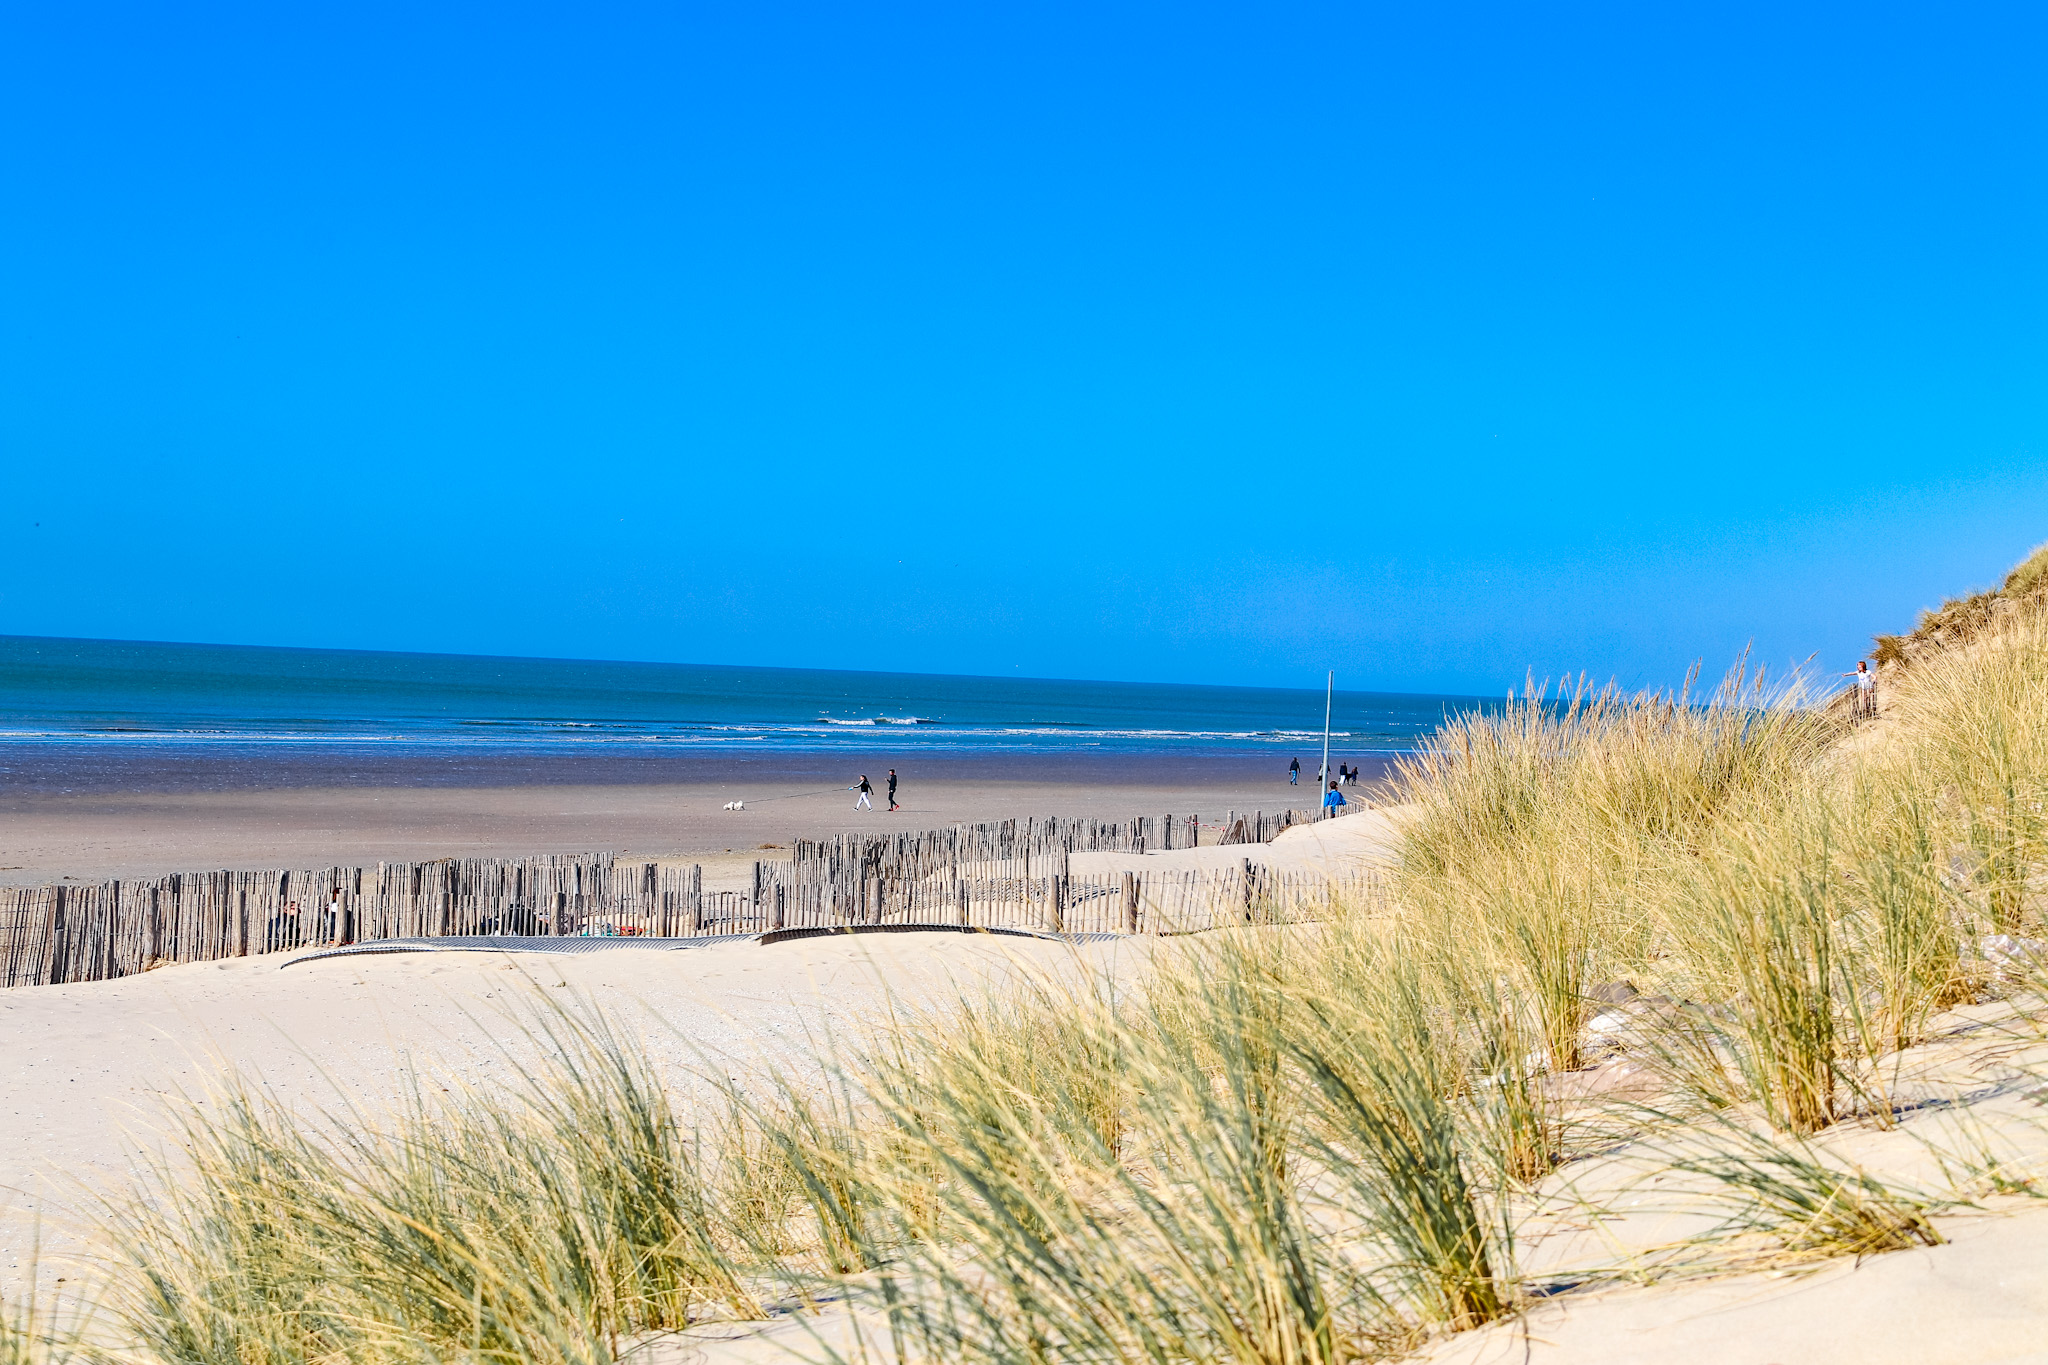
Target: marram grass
(1308, 1144)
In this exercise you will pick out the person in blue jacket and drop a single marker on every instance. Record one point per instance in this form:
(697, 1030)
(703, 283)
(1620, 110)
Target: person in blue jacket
(1332, 801)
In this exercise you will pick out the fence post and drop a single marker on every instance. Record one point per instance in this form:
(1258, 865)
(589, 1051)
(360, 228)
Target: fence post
(694, 898)
(1247, 874)
(56, 953)
(1056, 902)
(960, 900)
(1130, 902)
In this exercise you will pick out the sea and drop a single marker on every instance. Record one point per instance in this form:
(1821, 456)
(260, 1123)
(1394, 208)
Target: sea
(72, 709)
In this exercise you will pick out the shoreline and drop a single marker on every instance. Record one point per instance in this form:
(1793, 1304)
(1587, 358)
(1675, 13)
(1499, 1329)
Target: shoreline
(32, 771)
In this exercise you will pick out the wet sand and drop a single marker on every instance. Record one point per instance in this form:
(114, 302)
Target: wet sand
(159, 824)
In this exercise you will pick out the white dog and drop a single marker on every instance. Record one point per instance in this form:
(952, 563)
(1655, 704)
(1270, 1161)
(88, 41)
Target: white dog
(735, 805)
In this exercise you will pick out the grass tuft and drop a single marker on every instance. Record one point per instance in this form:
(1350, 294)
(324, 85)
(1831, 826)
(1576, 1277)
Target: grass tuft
(1812, 1207)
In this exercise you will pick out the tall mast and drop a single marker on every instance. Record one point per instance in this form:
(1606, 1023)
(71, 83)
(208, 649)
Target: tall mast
(1329, 695)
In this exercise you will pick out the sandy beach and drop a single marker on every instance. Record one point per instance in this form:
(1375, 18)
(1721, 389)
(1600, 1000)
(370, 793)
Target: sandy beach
(1873, 1196)
(90, 836)
(105, 1064)
(112, 1065)
(1023, 685)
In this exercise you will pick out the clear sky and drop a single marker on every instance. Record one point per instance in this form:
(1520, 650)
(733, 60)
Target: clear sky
(1432, 343)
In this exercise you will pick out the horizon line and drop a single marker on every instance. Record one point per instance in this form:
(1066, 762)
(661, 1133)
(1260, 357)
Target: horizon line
(776, 668)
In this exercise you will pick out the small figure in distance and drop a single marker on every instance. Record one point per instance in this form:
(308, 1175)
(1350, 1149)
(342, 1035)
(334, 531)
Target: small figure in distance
(892, 789)
(1333, 800)
(1866, 688)
(1294, 773)
(865, 791)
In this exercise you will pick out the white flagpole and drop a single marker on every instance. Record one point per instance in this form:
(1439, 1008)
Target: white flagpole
(1328, 696)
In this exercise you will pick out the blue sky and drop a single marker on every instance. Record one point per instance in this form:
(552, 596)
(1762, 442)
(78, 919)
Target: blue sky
(1435, 344)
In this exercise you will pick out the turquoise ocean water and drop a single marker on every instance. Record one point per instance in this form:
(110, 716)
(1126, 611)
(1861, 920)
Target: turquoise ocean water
(61, 699)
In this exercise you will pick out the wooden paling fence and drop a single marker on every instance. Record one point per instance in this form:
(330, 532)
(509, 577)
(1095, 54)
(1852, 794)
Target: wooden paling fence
(1260, 828)
(1020, 847)
(999, 895)
(52, 934)
(1005, 874)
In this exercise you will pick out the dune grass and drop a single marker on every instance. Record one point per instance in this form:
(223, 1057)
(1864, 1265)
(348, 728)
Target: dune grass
(1281, 1144)
(33, 1331)
(1811, 1206)
(1287, 1181)
(541, 1224)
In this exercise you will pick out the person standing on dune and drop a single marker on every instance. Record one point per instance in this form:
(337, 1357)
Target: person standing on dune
(865, 791)
(1866, 688)
(892, 789)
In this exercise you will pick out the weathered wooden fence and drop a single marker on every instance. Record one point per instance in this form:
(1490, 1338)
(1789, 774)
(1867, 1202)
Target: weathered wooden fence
(116, 928)
(1008, 874)
(1001, 895)
(1260, 828)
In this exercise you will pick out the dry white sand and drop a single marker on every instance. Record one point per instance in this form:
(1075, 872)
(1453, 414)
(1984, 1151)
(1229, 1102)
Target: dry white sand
(1362, 838)
(92, 1072)
(1980, 1298)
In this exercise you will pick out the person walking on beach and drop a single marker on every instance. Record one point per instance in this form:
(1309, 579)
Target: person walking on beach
(865, 791)
(1294, 773)
(892, 789)
(1866, 688)
(1333, 801)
